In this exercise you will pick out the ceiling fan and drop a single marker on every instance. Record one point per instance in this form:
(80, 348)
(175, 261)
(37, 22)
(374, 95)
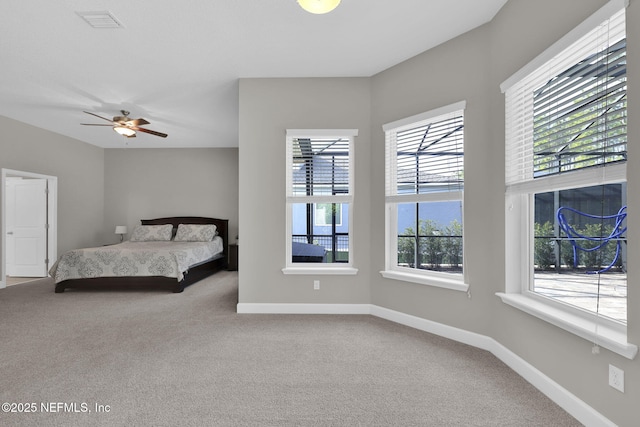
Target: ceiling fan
(125, 126)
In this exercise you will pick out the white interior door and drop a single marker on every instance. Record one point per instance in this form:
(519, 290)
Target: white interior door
(26, 241)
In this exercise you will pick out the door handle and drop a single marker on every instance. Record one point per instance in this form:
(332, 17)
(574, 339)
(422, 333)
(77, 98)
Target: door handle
(9, 232)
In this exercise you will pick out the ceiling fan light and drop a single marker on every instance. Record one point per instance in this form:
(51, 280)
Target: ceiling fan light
(318, 6)
(124, 131)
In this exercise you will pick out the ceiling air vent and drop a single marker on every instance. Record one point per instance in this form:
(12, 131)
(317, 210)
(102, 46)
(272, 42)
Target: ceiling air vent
(103, 19)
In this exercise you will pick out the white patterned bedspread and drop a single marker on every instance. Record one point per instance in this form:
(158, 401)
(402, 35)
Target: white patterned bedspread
(168, 259)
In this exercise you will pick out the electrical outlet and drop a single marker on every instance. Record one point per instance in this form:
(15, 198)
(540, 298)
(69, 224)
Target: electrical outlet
(616, 378)
(316, 285)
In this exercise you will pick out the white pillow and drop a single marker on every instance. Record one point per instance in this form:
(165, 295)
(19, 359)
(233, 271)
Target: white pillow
(195, 233)
(151, 233)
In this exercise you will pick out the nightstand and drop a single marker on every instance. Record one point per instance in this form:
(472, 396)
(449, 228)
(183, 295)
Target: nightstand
(233, 257)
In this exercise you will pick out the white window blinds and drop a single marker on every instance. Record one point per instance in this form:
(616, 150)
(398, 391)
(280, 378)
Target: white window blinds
(320, 165)
(569, 114)
(425, 155)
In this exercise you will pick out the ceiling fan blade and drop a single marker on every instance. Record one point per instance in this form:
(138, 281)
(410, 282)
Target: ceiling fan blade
(94, 124)
(152, 132)
(137, 122)
(100, 117)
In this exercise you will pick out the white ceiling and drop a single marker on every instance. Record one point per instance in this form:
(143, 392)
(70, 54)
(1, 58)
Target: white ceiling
(177, 63)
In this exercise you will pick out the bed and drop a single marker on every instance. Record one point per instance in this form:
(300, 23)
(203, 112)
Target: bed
(166, 253)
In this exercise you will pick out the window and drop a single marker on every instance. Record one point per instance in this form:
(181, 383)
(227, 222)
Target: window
(424, 196)
(319, 200)
(566, 152)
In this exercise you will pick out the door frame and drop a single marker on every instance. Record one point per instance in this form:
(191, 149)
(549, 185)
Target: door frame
(52, 218)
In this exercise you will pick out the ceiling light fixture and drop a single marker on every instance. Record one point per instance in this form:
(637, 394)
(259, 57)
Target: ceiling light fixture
(103, 19)
(318, 6)
(125, 131)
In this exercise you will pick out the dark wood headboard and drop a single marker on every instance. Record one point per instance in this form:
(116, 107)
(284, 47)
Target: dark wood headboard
(221, 224)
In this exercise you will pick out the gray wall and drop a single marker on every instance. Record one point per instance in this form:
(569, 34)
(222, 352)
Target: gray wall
(563, 356)
(152, 183)
(79, 168)
(99, 189)
(453, 72)
(471, 68)
(267, 108)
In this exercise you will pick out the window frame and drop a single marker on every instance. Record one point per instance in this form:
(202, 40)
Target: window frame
(452, 281)
(519, 217)
(342, 268)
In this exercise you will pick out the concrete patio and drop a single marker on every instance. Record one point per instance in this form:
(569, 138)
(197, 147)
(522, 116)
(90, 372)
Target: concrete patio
(581, 289)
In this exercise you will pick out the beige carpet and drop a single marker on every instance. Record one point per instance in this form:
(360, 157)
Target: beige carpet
(154, 358)
(17, 280)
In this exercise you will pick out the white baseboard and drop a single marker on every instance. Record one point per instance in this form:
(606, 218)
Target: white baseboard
(456, 334)
(558, 394)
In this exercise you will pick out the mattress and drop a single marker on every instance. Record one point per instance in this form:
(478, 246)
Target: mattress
(136, 259)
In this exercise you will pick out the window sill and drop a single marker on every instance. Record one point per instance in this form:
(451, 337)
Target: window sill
(431, 280)
(606, 336)
(346, 271)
